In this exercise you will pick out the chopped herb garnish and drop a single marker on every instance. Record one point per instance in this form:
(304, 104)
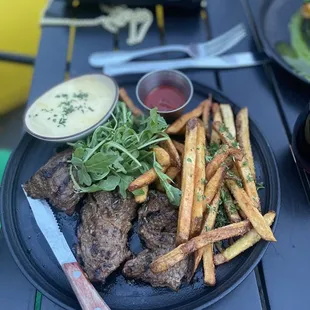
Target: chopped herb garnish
(260, 185)
(189, 160)
(210, 208)
(244, 164)
(222, 128)
(68, 104)
(230, 136)
(249, 178)
(213, 148)
(227, 201)
(209, 158)
(231, 174)
(235, 144)
(239, 183)
(203, 181)
(207, 228)
(221, 217)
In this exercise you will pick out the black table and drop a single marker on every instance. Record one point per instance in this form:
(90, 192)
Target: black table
(274, 99)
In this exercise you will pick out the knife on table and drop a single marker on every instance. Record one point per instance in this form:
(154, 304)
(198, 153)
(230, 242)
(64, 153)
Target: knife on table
(86, 294)
(230, 61)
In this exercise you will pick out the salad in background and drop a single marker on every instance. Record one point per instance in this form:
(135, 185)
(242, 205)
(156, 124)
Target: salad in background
(297, 53)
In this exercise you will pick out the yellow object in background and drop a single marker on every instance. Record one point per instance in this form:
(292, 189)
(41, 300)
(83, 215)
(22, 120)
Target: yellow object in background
(19, 33)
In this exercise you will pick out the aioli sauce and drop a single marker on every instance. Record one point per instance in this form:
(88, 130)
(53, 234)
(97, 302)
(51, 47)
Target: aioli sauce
(71, 107)
(165, 98)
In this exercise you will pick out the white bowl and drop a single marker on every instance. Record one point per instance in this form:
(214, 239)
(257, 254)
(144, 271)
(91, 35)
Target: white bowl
(73, 109)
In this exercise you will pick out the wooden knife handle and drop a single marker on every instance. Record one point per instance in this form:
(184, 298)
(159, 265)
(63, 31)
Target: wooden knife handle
(87, 295)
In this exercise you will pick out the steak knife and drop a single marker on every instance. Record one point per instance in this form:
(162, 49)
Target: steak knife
(229, 61)
(86, 294)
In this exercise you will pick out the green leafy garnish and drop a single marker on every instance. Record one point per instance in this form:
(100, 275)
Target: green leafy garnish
(228, 201)
(235, 144)
(119, 151)
(213, 148)
(173, 193)
(249, 178)
(138, 192)
(221, 217)
(260, 185)
(208, 158)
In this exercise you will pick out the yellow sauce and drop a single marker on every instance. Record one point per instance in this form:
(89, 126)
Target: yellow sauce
(71, 107)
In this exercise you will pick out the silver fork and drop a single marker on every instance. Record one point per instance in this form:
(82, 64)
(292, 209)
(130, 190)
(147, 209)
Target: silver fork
(214, 47)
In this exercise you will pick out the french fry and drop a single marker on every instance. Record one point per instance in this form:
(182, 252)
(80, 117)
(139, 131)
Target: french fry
(179, 146)
(244, 243)
(216, 118)
(207, 226)
(171, 172)
(188, 179)
(177, 126)
(162, 156)
(220, 158)
(141, 198)
(214, 185)
(230, 207)
(179, 253)
(228, 118)
(242, 166)
(252, 213)
(168, 146)
(207, 258)
(200, 176)
(208, 265)
(129, 103)
(206, 114)
(150, 176)
(144, 179)
(243, 137)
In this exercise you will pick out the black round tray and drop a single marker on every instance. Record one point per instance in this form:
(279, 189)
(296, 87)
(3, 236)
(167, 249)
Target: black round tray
(273, 27)
(34, 257)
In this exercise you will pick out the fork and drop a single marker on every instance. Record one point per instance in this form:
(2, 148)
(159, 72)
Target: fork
(214, 47)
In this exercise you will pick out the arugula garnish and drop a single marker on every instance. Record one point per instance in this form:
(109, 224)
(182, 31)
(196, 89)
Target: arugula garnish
(118, 152)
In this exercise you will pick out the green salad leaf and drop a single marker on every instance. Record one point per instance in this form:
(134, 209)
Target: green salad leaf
(173, 193)
(119, 151)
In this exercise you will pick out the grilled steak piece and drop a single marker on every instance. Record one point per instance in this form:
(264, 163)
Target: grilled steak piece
(139, 268)
(157, 228)
(53, 182)
(103, 232)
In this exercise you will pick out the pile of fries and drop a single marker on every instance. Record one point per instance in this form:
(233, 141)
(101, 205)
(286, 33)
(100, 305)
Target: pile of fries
(206, 180)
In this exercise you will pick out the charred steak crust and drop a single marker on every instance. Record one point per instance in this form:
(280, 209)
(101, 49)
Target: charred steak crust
(139, 268)
(53, 182)
(157, 228)
(158, 222)
(103, 233)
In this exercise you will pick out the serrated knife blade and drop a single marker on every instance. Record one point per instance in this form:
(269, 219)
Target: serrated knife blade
(86, 294)
(48, 225)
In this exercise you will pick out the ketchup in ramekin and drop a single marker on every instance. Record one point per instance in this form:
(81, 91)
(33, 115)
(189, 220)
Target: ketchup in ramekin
(167, 90)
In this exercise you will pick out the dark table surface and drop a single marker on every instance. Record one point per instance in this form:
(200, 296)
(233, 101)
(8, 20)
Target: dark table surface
(274, 99)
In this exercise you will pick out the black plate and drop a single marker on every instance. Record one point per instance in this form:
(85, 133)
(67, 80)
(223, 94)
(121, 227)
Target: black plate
(35, 259)
(273, 27)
